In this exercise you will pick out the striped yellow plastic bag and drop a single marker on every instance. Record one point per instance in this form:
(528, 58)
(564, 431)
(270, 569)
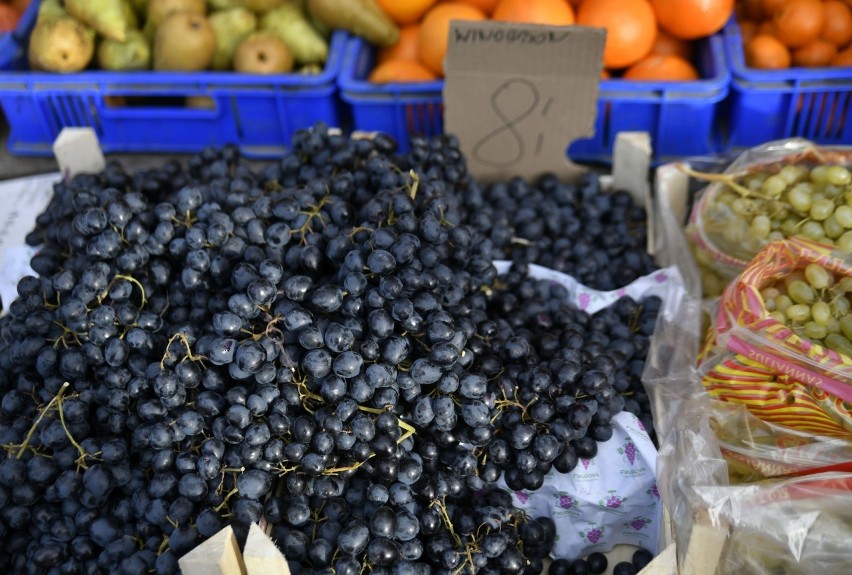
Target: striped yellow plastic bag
(752, 359)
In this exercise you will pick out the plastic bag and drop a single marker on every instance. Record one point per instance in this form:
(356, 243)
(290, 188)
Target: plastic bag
(799, 525)
(724, 475)
(723, 243)
(753, 359)
(612, 499)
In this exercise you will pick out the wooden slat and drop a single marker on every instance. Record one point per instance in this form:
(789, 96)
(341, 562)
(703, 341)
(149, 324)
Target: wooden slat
(261, 556)
(219, 555)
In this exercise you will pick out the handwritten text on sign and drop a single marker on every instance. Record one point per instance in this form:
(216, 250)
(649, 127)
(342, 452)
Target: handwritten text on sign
(517, 95)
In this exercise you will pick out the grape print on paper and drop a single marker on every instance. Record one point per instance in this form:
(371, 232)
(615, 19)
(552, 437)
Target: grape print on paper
(629, 452)
(592, 535)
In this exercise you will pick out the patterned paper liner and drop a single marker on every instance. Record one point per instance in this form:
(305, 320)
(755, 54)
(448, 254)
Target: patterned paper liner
(779, 376)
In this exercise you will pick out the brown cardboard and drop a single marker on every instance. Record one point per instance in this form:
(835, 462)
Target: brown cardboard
(517, 95)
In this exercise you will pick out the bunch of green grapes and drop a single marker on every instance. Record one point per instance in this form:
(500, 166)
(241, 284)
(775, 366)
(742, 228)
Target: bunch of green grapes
(815, 305)
(814, 202)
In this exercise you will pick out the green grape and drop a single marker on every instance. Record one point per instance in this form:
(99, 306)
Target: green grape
(839, 343)
(821, 209)
(800, 292)
(832, 192)
(779, 317)
(761, 226)
(838, 175)
(800, 197)
(774, 186)
(798, 313)
(776, 236)
(755, 181)
(821, 312)
(818, 276)
(783, 302)
(841, 307)
(789, 226)
(844, 242)
(846, 326)
(832, 228)
(791, 174)
(818, 174)
(813, 330)
(735, 232)
(843, 215)
(845, 284)
(833, 326)
(813, 231)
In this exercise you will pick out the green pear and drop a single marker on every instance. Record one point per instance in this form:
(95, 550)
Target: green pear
(184, 42)
(263, 53)
(159, 10)
(50, 10)
(109, 18)
(61, 44)
(132, 54)
(261, 5)
(290, 23)
(231, 27)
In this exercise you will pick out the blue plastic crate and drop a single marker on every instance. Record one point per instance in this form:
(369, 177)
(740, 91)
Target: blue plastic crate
(680, 116)
(812, 103)
(148, 111)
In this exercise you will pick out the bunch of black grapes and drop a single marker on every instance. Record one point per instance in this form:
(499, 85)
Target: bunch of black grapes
(321, 342)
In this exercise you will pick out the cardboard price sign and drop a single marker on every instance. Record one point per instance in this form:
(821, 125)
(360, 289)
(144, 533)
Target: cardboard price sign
(517, 95)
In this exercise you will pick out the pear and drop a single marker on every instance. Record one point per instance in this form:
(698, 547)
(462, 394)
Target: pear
(49, 10)
(263, 53)
(261, 5)
(61, 44)
(290, 23)
(132, 54)
(159, 10)
(231, 27)
(184, 42)
(109, 18)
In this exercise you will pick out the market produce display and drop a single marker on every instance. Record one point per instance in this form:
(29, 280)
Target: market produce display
(646, 41)
(802, 195)
(806, 33)
(247, 36)
(323, 342)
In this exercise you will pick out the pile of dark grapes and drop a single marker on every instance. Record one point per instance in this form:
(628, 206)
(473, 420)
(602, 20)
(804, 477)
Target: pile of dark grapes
(321, 343)
(598, 238)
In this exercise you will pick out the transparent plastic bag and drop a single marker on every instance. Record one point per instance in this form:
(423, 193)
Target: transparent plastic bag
(723, 243)
(791, 525)
(780, 375)
(727, 477)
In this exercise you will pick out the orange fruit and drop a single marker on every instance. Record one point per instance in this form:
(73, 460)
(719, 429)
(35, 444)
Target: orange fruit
(552, 12)
(692, 19)
(8, 18)
(661, 68)
(630, 28)
(767, 52)
(799, 22)
(435, 31)
(770, 7)
(486, 6)
(405, 11)
(842, 58)
(605, 75)
(405, 48)
(401, 71)
(753, 9)
(747, 30)
(766, 27)
(837, 27)
(667, 45)
(814, 54)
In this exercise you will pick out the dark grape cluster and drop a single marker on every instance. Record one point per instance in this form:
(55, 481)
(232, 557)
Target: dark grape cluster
(322, 343)
(598, 238)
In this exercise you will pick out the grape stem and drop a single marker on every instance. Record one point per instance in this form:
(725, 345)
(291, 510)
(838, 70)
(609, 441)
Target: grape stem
(442, 508)
(81, 460)
(189, 355)
(727, 179)
(42, 413)
(415, 183)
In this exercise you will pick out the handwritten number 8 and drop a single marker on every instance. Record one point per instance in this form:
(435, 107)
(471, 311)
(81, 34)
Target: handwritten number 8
(504, 146)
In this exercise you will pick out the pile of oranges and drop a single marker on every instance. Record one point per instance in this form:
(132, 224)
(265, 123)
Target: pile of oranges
(647, 40)
(778, 34)
(10, 13)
